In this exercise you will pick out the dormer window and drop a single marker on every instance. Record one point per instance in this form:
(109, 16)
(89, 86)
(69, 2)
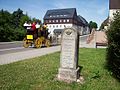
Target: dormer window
(58, 15)
(65, 15)
(61, 15)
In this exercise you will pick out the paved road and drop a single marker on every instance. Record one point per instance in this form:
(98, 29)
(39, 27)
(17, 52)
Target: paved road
(13, 57)
(5, 45)
(11, 52)
(12, 47)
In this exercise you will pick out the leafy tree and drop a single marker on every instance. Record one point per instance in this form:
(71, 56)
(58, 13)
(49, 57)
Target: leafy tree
(17, 15)
(5, 23)
(92, 25)
(113, 50)
(11, 25)
(23, 19)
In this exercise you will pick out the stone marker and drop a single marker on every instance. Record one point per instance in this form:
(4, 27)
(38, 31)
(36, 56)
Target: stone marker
(69, 70)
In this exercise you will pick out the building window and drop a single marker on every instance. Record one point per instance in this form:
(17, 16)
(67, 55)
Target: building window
(56, 25)
(46, 21)
(61, 15)
(56, 20)
(50, 26)
(64, 26)
(60, 20)
(53, 20)
(68, 20)
(60, 25)
(64, 20)
(53, 26)
(50, 21)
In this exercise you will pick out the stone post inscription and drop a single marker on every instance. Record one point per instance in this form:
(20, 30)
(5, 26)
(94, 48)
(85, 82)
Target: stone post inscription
(69, 69)
(68, 49)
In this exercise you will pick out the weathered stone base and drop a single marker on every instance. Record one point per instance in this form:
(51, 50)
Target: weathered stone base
(68, 75)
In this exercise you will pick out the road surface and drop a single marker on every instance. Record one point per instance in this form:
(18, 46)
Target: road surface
(13, 51)
(18, 56)
(12, 47)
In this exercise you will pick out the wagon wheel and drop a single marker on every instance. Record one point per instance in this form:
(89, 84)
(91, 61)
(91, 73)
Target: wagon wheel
(25, 43)
(47, 43)
(38, 43)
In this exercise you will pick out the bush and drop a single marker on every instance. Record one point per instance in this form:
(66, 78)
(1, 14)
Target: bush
(113, 50)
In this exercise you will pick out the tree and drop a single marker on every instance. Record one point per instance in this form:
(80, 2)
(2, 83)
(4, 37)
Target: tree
(16, 17)
(92, 25)
(6, 32)
(11, 25)
(23, 20)
(113, 50)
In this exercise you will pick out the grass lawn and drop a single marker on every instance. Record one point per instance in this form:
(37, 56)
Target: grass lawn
(39, 73)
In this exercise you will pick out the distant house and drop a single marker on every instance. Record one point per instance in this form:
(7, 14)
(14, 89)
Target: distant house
(58, 19)
(113, 7)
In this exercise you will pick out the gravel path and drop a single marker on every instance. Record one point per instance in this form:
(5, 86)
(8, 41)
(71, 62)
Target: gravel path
(18, 56)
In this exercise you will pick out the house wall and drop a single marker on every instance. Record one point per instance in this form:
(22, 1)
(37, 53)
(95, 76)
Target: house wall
(82, 30)
(111, 14)
(51, 27)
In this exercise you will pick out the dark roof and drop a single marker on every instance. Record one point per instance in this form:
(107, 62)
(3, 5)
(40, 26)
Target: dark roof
(114, 4)
(60, 13)
(82, 20)
(106, 21)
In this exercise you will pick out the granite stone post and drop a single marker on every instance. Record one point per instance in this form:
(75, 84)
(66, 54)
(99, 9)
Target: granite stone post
(69, 70)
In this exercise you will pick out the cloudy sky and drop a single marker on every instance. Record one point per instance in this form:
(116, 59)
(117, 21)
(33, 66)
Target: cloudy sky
(95, 10)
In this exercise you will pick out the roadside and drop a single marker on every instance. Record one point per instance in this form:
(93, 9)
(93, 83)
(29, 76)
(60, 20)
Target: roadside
(18, 56)
(11, 42)
(9, 55)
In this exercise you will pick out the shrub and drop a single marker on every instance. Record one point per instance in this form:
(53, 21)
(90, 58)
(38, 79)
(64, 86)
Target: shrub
(113, 50)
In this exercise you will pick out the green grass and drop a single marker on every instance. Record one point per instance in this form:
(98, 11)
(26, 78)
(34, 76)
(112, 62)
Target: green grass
(39, 73)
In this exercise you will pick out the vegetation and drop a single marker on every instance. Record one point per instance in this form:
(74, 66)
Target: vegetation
(93, 25)
(113, 51)
(39, 73)
(11, 25)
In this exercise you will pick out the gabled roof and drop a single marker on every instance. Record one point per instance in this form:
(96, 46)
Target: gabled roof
(60, 13)
(114, 4)
(82, 20)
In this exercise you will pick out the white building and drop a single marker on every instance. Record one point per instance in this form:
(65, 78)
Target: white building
(58, 19)
(114, 6)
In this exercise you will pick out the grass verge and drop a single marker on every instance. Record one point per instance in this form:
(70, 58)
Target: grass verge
(39, 73)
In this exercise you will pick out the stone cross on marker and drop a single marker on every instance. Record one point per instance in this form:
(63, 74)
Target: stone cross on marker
(69, 70)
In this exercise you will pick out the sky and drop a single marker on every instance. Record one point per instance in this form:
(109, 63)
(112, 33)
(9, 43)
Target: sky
(91, 10)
